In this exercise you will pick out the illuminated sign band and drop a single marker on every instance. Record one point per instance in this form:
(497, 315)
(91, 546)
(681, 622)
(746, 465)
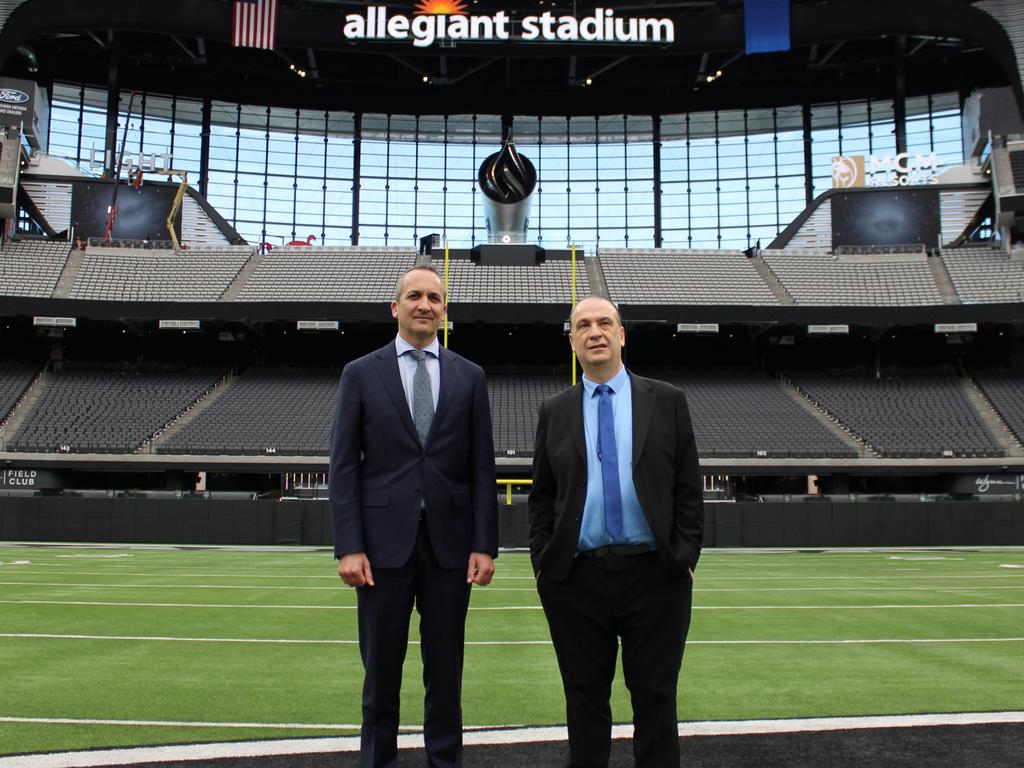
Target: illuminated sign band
(602, 26)
(900, 170)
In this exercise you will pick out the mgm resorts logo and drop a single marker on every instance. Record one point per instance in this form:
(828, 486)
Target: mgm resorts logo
(447, 20)
(899, 170)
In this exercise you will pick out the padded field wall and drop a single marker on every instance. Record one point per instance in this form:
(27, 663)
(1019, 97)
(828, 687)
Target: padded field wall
(796, 524)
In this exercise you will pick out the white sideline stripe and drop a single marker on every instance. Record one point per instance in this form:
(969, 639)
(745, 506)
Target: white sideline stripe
(717, 576)
(191, 724)
(333, 577)
(299, 641)
(496, 736)
(946, 587)
(244, 606)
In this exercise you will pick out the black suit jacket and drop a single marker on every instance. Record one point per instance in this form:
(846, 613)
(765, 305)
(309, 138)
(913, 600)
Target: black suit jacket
(665, 472)
(380, 471)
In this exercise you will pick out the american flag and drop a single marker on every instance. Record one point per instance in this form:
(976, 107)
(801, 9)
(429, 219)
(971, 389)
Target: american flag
(254, 24)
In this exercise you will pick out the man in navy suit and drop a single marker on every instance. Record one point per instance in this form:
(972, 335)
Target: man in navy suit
(414, 506)
(616, 522)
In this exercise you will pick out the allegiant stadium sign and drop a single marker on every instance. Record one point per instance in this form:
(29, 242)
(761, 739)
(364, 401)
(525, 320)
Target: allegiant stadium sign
(438, 20)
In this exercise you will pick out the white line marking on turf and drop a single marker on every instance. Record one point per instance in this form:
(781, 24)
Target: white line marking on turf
(276, 607)
(338, 587)
(946, 587)
(314, 641)
(882, 576)
(224, 575)
(494, 736)
(191, 724)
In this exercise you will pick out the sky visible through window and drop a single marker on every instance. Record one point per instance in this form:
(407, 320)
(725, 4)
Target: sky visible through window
(728, 178)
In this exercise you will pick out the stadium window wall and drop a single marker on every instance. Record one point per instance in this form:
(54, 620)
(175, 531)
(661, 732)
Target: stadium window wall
(728, 178)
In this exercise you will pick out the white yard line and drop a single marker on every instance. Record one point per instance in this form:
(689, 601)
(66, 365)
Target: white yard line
(190, 724)
(947, 586)
(473, 736)
(249, 606)
(313, 641)
(333, 577)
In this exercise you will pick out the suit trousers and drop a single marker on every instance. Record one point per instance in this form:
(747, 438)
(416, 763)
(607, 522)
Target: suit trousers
(441, 597)
(634, 598)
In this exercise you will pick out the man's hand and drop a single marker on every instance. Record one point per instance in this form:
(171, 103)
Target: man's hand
(481, 569)
(354, 570)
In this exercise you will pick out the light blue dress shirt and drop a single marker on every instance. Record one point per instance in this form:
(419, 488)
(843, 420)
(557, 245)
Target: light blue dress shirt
(635, 529)
(407, 367)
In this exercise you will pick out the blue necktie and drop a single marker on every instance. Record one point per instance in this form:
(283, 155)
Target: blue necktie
(609, 456)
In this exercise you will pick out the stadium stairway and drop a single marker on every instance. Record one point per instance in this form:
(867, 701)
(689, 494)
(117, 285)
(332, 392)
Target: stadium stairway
(990, 417)
(66, 281)
(942, 280)
(23, 407)
(774, 284)
(161, 437)
(862, 448)
(242, 277)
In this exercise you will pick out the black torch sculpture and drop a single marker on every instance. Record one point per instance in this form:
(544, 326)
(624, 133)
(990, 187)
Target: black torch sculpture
(507, 179)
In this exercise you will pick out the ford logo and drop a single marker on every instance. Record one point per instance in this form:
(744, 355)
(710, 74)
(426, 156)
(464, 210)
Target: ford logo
(12, 96)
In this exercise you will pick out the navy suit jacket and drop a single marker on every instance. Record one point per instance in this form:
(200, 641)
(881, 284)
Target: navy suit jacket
(380, 472)
(665, 472)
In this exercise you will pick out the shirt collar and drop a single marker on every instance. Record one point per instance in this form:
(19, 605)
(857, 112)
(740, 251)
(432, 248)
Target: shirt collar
(616, 382)
(402, 346)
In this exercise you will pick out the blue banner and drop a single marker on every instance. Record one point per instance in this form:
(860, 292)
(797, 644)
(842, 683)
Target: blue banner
(766, 24)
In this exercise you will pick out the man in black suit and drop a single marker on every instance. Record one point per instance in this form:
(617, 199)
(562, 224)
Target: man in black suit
(616, 521)
(414, 506)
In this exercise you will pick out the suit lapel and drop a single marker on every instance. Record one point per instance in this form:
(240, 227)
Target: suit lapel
(451, 380)
(643, 412)
(575, 416)
(391, 381)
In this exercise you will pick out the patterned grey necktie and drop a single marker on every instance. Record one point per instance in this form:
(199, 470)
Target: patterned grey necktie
(422, 395)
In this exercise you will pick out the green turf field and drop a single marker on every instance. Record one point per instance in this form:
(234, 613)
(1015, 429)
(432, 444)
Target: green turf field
(126, 646)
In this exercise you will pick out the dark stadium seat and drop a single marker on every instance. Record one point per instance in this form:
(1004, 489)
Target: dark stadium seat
(903, 416)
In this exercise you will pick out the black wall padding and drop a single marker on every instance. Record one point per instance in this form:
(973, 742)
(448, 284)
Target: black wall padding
(794, 524)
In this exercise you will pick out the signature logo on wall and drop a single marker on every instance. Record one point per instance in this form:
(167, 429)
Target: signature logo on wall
(13, 96)
(847, 172)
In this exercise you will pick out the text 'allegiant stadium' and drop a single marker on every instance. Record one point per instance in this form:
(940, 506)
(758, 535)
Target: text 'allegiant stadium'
(600, 27)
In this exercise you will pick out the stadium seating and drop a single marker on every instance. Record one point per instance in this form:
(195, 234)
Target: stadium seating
(549, 282)
(1004, 388)
(671, 276)
(15, 376)
(735, 412)
(107, 411)
(357, 274)
(816, 278)
(514, 403)
(136, 274)
(285, 411)
(633, 276)
(744, 412)
(983, 275)
(32, 267)
(903, 416)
